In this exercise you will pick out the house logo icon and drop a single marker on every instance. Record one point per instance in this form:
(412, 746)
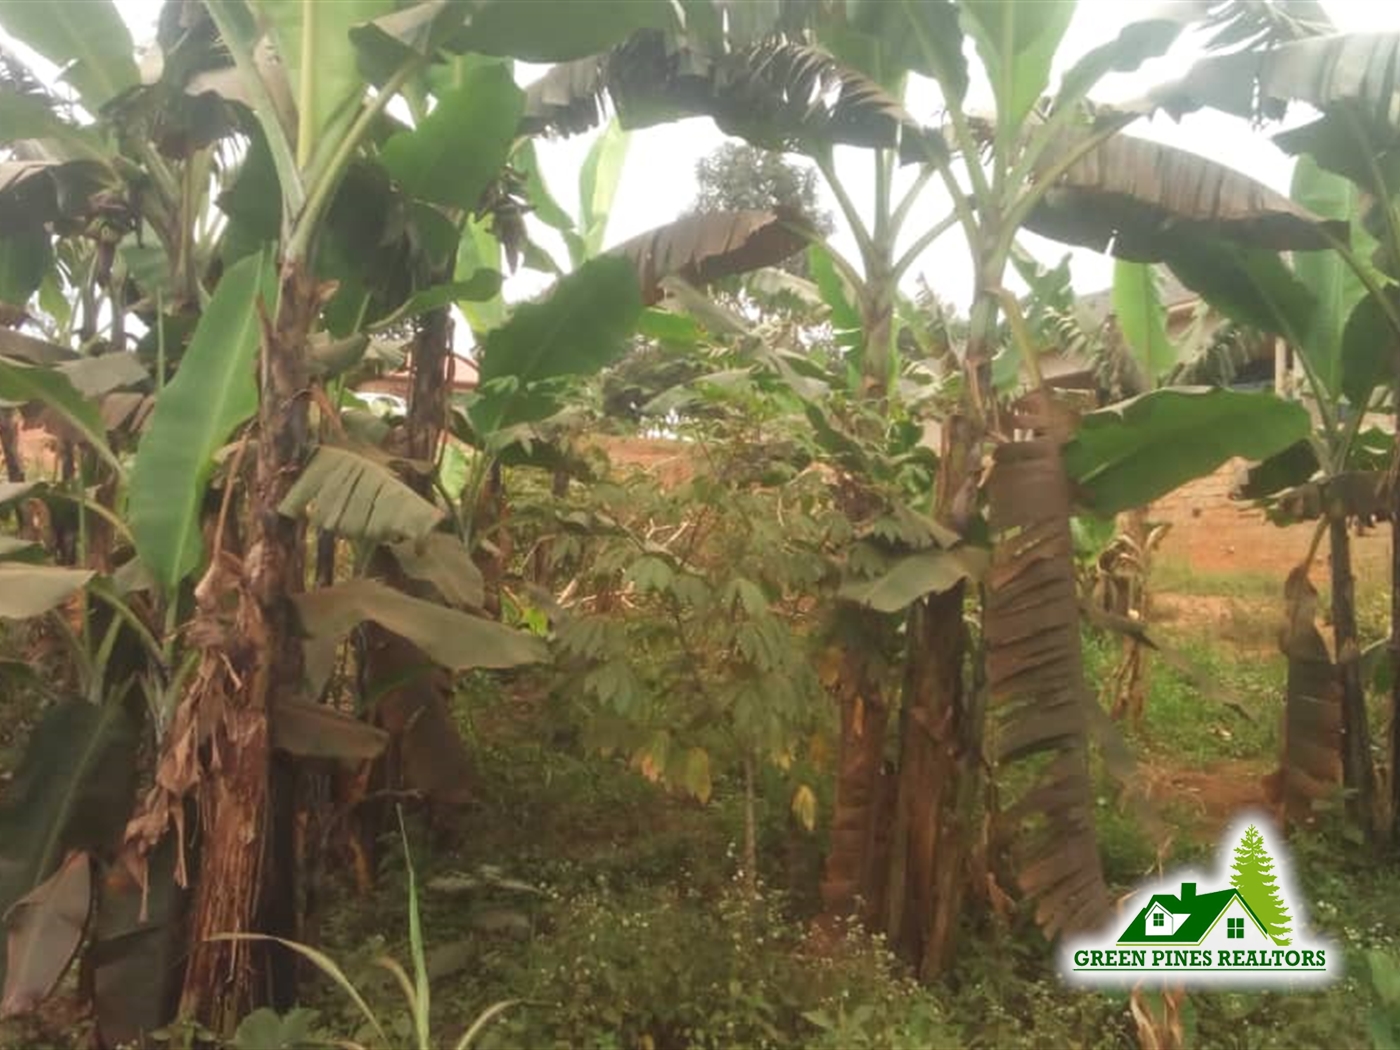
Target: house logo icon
(1240, 927)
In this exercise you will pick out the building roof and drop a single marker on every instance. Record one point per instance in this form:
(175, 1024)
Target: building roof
(1204, 909)
(1097, 307)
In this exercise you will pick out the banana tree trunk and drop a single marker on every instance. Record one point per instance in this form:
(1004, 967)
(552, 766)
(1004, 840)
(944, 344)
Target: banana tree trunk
(1358, 774)
(854, 871)
(427, 401)
(930, 847)
(247, 852)
(427, 752)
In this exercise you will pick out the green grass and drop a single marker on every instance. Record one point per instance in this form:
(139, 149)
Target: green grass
(1211, 703)
(1177, 577)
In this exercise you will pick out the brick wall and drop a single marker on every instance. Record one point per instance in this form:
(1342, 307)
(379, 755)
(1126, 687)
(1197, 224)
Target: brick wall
(1213, 533)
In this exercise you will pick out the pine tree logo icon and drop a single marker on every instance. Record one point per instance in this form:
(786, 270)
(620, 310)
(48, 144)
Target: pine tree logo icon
(1240, 926)
(1253, 876)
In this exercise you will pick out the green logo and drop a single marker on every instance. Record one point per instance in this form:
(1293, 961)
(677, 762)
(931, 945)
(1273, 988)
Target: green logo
(1235, 929)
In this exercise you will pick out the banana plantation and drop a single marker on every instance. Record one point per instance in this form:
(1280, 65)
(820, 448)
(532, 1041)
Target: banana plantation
(427, 619)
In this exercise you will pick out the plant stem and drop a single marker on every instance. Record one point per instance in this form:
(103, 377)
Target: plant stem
(750, 831)
(925, 239)
(827, 165)
(307, 223)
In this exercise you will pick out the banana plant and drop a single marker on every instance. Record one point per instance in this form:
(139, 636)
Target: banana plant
(1045, 164)
(1352, 134)
(324, 152)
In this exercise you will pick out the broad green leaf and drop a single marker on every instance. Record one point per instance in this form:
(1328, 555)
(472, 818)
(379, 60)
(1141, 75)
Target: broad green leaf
(597, 186)
(412, 33)
(253, 203)
(313, 40)
(454, 639)
(139, 944)
(1370, 347)
(888, 40)
(783, 95)
(544, 206)
(1017, 42)
(32, 590)
(13, 490)
(45, 928)
(560, 30)
(17, 548)
(354, 495)
(94, 376)
(26, 257)
(32, 383)
(72, 791)
(1335, 288)
(30, 117)
(479, 250)
(213, 392)
(312, 730)
(703, 248)
(1251, 286)
(479, 287)
(916, 576)
(837, 294)
(1347, 77)
(669, 327)
(583, 325)
(1142, 318)
(441, 560)
(89, 41)
(461, 145)
(1150, 202)
(1293, 466)
(1131, 453)
(334, 357)
(28, 350)
(692, 773)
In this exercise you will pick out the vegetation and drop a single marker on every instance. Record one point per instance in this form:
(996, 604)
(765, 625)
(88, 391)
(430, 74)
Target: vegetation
(797, 744)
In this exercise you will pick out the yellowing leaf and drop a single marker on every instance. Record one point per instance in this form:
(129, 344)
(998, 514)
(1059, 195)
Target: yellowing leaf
(646, 765)
(695, 773)
(804, 807)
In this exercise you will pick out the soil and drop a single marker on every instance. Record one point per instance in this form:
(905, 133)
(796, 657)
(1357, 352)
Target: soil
(1214, 795)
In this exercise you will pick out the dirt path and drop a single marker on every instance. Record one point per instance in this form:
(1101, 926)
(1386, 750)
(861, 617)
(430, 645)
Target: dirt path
(1213, 796)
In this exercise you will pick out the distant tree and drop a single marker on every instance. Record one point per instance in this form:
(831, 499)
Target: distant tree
(738, 176)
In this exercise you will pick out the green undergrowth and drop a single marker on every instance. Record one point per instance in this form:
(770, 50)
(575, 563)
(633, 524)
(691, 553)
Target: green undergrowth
(613, 911)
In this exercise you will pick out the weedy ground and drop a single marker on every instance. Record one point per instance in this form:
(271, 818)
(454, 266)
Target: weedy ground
(613, 911)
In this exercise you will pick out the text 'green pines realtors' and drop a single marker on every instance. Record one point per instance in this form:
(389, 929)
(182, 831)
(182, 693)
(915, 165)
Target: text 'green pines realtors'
(1180, 959)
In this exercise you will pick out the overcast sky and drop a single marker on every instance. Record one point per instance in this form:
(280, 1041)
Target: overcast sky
(659, 179)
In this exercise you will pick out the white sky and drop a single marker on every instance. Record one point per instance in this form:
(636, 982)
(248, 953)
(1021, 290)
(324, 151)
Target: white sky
(658, 182)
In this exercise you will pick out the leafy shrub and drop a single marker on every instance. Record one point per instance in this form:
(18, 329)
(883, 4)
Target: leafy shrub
(666, 968)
